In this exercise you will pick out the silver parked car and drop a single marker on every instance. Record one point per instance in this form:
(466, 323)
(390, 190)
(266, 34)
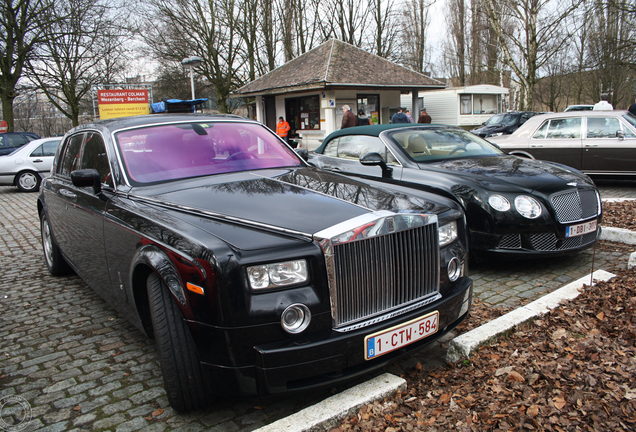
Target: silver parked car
(29, 164)
(595, 142)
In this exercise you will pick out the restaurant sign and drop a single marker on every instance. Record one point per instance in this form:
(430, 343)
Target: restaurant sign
(122, 103)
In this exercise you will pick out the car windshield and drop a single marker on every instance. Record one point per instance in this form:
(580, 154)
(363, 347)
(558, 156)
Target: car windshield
(430, 145)
(631, 118)
(184, 150)
(501, 119)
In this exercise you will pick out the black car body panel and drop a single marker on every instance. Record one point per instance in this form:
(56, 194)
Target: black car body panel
(10, 141)
(567, 197)
(503, 124)
(202, 233)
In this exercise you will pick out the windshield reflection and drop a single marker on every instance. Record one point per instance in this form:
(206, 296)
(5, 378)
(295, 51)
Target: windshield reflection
(185, 150)
(430, 145)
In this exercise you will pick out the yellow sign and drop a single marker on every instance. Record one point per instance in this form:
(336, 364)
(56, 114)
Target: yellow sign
(108, 111)
(122, 103)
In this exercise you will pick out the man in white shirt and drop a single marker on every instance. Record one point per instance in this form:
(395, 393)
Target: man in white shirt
(603, 105)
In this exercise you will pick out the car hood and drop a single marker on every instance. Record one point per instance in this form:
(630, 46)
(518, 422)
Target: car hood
(510, 173)
(489, 129)
(306, 200)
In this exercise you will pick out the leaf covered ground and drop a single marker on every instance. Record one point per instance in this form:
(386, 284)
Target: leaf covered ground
(572, 370)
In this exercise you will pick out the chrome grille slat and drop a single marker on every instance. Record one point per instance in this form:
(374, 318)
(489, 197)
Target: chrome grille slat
(383, 273)
(575, 205)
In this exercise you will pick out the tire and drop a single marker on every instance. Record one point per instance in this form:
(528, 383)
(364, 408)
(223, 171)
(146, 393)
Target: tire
(28, 181)
(55, 262)
(182, 375)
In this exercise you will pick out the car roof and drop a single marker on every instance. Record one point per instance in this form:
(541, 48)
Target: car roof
(152, 119)
(375, 130)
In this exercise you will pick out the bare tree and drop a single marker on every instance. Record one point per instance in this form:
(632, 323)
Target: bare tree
(536, 34)
(415, 25)
(385, 29)
(612, 27)
(21, 31)
(346, 20)
(213, 33)
(82, 47)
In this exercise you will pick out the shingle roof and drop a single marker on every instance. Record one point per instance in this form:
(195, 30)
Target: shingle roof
(336, 64)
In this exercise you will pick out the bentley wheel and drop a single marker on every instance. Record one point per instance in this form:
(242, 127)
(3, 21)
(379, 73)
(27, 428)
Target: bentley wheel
(182, 375)
(28, 181)
(52, 255)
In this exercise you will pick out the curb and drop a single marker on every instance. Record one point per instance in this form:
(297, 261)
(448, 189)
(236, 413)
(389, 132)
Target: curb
(618, 235)
(465, 344)
(326, 414)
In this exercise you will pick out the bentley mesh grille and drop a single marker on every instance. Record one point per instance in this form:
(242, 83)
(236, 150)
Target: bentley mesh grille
(510, 241)
(575, 205)
(549, 242)
(382, 273)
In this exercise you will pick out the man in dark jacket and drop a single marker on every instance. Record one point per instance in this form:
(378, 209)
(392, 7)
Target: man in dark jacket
(424, 117)
(349, 119)
(399, 117)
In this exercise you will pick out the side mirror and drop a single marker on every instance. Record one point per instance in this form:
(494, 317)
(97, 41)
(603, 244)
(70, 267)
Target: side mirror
(303, 153)
(374, 159)
(86, 178)
(620, 134)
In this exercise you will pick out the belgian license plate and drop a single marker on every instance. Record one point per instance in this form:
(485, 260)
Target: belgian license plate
(580, 229)
(383, 342)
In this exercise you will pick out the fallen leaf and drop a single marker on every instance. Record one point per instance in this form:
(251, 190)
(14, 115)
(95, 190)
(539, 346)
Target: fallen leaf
(157, 412)
(533, 411)
(600, 316)
(559, 403)
(515, 376)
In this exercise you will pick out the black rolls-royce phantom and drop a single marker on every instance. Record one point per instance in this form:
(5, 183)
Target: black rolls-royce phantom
(254, 272)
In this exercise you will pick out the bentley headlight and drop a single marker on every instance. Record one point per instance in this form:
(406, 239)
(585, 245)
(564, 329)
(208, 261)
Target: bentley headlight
(447, 234)
(278, 274)
(499, 203)
(528, 207)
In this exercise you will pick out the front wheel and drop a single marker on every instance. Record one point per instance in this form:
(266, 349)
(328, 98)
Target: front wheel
(52, 255)
(182, 375)
(28, 181)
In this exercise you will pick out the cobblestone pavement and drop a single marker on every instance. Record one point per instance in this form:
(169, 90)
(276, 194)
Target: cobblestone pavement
(81, 366)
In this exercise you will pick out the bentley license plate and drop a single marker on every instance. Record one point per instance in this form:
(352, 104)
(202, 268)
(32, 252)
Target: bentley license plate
(391, 339)
(580, 229)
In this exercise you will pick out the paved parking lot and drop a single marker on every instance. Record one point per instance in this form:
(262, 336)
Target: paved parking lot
(79, 365)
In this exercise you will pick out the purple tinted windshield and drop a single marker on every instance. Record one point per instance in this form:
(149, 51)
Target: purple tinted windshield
(183, 150)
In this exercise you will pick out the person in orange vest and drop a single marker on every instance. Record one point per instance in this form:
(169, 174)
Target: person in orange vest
(282, 129)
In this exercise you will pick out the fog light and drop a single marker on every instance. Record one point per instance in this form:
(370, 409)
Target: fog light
(295, 318)
(454, 269)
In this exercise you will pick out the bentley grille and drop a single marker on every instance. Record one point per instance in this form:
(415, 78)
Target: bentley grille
(575, 205)
(384, 273)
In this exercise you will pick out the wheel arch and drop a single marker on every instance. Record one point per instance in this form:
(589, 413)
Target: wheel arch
(151, 259)
(522, 154)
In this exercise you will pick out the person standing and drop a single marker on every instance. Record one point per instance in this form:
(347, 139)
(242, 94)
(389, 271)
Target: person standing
(632, 109)
(424, 117)
(348, 119)
(363, 120)
(603, 104)
(399, 117)
(408, 116)
(282, 129)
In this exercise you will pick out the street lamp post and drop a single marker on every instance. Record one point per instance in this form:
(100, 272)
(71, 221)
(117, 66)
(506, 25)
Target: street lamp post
(192, 62)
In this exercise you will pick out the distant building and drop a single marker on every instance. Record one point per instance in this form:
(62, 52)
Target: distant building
(310, 90)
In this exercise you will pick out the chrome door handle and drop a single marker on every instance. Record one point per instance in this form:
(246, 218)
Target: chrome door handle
(68, 194)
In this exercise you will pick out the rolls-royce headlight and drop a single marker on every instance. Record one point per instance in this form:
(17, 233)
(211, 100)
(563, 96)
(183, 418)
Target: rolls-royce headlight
(528, 207)
(499, 203)
(495, 134)
(447, 233)
(278, 274)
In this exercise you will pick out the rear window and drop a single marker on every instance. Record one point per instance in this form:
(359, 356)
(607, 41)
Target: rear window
(185, 150)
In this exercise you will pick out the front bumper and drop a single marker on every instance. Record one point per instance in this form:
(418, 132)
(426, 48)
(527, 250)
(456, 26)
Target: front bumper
(532, 243)
(330, 357)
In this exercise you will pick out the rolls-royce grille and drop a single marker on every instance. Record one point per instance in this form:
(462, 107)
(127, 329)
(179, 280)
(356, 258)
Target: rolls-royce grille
(576, 205)
(381, 273)
(549, 242)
